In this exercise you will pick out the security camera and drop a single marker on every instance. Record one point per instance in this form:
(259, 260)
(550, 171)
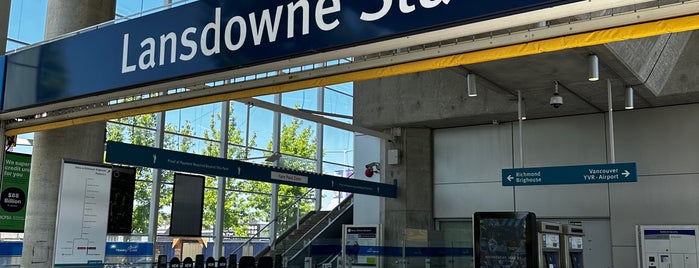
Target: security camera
(556, 100)
(371, 168)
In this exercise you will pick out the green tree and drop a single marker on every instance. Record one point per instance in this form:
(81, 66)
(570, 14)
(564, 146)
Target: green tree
(294, 141)
(235, 215)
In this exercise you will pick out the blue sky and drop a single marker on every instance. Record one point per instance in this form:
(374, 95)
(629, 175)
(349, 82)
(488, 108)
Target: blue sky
(27, 20)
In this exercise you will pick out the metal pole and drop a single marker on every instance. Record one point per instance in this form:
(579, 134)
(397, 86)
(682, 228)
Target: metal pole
(519, 118)
(276, 135)
(157, 182)
(221, 191)
(319, 148)
(247, 131)
(612, 156)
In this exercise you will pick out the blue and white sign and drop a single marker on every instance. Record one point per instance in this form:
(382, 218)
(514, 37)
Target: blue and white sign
(209, 36)
(603, 173)
(135, 155)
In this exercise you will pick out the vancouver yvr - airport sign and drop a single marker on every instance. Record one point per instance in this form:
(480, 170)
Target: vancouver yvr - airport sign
(210, 36)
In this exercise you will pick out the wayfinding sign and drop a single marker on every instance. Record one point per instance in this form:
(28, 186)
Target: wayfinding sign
(129, 154)
(602, 173)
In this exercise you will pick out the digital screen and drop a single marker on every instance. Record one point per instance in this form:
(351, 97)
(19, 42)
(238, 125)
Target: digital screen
(505, 239)
(121, 200)
(187, 205)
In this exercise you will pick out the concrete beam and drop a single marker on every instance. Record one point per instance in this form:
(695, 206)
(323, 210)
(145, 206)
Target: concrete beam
(4, 23)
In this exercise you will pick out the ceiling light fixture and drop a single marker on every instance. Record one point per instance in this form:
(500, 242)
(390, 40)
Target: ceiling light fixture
(592, 67)
(628, 103)
(471, 85)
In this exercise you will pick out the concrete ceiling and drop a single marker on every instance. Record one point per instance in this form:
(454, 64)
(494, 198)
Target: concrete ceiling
(663, 70)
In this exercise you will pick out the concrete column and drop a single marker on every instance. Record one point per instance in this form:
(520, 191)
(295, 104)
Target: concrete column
(84, 142)
(4, 23)
(412, 209)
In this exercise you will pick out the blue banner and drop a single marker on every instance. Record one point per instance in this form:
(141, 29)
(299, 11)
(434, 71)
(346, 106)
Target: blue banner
(583, 174)
(135, 155)
(10, 249)
(129, 249)
(215, 35)
(669, 232)
(396, 251)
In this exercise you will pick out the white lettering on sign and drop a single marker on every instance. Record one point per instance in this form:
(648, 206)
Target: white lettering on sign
(289, 177)
(403, 6)
(262, 27)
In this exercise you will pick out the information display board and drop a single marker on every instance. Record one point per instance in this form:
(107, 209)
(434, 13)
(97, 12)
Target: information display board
(14, 187)
(505, 239)
(83, 210)
(666, 246)
(361, 245)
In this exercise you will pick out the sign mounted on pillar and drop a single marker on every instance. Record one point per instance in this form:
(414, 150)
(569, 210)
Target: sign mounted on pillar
(13, 191)
(211, 36)
(83, 210)
(583, 174)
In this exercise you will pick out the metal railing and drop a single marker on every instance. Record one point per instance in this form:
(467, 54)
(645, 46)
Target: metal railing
(342, 208)
(296, 208)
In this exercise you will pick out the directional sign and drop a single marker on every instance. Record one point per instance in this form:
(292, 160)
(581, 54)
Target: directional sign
(129, 154)
(603, 173)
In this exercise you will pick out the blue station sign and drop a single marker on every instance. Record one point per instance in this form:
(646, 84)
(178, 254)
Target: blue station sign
(210, 36)
(135, 155)
(583, 174)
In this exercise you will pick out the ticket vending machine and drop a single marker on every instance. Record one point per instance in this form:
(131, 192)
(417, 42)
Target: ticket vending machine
(550, 244)
(572, 250)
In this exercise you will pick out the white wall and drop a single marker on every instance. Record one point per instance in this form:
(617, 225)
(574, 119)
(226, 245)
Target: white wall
(664, 142)
(367, 149)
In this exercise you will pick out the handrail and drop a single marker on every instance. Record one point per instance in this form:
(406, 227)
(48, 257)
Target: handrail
(298, 200)
(339, 207)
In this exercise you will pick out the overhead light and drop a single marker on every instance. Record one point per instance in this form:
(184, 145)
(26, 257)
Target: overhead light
(524, 111)
(628, 103)
(592, 67)
(471, 85)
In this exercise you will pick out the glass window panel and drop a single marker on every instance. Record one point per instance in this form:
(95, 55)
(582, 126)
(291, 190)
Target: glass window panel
(261, 125)
(338, 146)
(27, 20)
(306, 99)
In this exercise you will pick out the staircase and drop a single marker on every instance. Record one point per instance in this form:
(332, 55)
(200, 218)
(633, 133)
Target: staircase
(294, 242)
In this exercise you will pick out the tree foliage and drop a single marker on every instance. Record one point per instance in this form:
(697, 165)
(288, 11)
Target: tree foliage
(246, 201)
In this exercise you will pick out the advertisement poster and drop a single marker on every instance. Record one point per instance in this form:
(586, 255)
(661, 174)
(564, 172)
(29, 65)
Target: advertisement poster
(503, 243)
(360, 243)
(505, 239)
(13, 191)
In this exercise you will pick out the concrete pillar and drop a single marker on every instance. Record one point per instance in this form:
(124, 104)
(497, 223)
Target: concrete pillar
(4, 23)
(84, 142)
(411, 211)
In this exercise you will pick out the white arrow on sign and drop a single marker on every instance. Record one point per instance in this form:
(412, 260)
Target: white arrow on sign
(626, 173)
(509, 177)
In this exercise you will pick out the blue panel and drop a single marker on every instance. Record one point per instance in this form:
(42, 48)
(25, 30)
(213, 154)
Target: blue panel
(128, 154)
(668, 232)
(10, 249)
(128, 249)
(128, 54)
(583, 174)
